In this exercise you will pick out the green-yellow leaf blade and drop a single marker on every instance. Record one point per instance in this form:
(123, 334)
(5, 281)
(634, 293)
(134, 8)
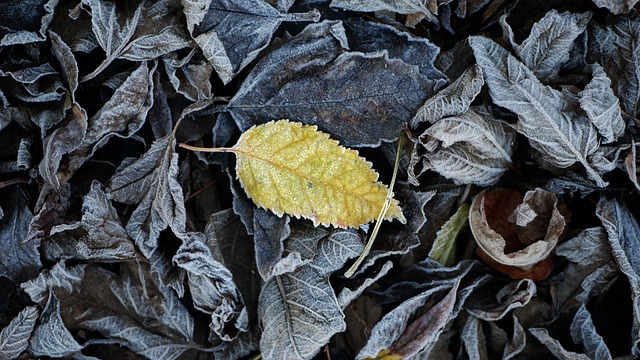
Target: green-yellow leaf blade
(444, 246)
(287, 167)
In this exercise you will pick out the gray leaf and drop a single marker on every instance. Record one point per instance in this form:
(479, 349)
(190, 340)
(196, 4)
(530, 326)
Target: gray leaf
(270, 231)
(453, 100)
(122, 116)
(231, 33)
(491, 304)
(59, 277)
(369, 36)
(518, 340)
(472, 148)
(554, 345)
(150, 31)
(588, 247)
(396, 322)
(616, 48)
(189, 77)
(317, 83)
(21, 260)
(65, 139)
(128, 307)
(562, 137)
(474, 340)
(67, 61)
(100, 235)
(51, 337)
(418, 7)
(299, 313)
(347, 295)
(550, 42)
(584, 332)
(602, 106)
(570, 184)
(151, 181)
(211, 284)
(29, 21)
(623, 231)
(14, 338)
(616, 6)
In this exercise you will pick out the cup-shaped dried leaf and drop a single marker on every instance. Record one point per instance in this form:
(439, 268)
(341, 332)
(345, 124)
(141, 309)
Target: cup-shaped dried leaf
(517, 236)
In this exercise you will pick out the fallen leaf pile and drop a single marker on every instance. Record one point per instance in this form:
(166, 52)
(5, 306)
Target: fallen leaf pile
(195, 179)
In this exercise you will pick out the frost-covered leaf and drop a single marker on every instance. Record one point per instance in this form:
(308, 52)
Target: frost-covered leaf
(270, 231)
(517, 235)
(317, 79)
(472, 148)
(444, 246)
(299, 311)
(212, 288)
(549, 43)
(64, 140)
(584, 332)
(554, 345)
(51, 337)
(453, 100)
(144, 33)
(21, 260)
(420, 8)
(495, 300)
(561, 136)
(67, 61)
(99, 235)
(602, 106)
(615, 47)
(589, 246)
(287, 167)
(119, 307)
(616, 6)
(231, 33)
(122, 116)
(631, 165)
(151, 181)
(189, 76)
(418, 321)
(369, 36)
(570, 184)
(26, 22)
(14, 338)
(623, 231)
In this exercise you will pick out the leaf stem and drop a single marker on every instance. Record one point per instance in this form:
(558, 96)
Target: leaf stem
(204, 149)
(383, 212)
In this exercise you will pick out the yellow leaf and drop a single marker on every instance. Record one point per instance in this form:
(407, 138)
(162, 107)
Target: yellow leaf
(287, 167)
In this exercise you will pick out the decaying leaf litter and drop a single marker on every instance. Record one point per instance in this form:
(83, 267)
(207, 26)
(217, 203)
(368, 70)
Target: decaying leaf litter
(511, 224)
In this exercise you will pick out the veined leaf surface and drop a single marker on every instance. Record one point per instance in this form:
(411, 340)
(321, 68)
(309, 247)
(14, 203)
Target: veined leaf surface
(287, 167)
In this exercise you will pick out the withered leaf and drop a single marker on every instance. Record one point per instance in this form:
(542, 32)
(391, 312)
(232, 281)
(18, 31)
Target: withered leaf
(317, 83)
(21, 261)
(118, 306)
(99, 235)
(584, 332)
(189, 76)
(472, 148)
(548, 44)
(299, 311)
(623, 229)
(51, 337)
(616, 6)
(561, 136)
(495, 300)
(14, 338)
(614, 47)
(514, 235)
(231, 33)
(212, 288)
(602, 106)
(419, 8)
(444, 246)
(554, 345)
(455, 99)
(27, 23)
(144, 33)
(270, 231)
